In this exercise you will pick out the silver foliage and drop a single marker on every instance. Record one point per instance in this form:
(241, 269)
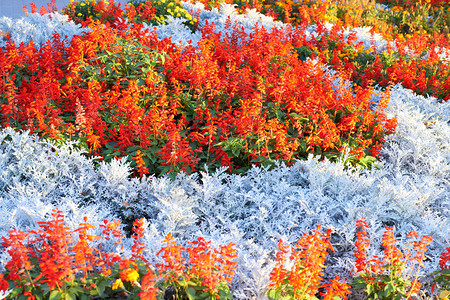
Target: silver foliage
(39, 29)
(179, 33)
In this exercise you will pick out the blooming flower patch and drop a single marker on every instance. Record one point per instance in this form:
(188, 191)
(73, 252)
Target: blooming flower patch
(251, 132)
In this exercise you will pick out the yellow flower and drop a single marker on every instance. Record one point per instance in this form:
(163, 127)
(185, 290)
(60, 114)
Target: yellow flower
(82, 4)
(444, 295)
(80, 14)
(129, 275)
(118, 283)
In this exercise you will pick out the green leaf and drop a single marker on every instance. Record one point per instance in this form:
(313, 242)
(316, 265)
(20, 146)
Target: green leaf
(132, 149)
(389, 288)
(225, 294)
(444, 272)
(100, 288)
(182, 283)
(37, 295)
(76, 290)
(398, 296)
(15, 292)
(303, 52)
(70, 296)
(274, 294)
(109, 70)
(45, 289)
(191, 293)
(369, 289)
(358, 285)
(55, 295)
(116, 153)
(236, 150)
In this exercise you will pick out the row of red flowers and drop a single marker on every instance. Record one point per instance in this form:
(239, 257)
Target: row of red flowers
(403, 62)
(234, 100)
(52, 263)
(413, 27)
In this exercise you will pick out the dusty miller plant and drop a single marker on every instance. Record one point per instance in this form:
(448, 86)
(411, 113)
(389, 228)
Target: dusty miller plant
(39, 29)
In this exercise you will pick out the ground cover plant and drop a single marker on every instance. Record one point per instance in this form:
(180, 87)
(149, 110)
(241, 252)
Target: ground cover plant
(214, 123)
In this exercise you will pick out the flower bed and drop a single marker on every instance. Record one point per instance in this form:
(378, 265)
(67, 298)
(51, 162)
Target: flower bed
(223, 127)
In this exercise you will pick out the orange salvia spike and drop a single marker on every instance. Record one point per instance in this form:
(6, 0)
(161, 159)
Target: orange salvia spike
(412, 234)
(25, 10)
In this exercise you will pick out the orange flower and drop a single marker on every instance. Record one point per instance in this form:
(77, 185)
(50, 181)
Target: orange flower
(393, 262)
(129, 274)
(361, 244)
(336, 289)
(148, 291)
(306, 272)
(138, 247)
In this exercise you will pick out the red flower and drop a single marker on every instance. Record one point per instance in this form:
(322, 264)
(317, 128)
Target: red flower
(4, 285)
